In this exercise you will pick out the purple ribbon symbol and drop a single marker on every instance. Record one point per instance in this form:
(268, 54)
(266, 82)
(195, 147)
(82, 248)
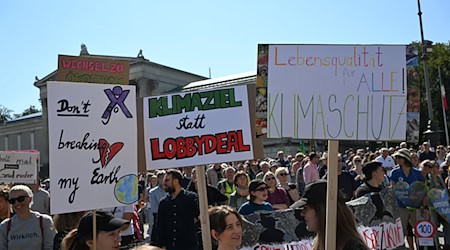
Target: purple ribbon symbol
(116, 96)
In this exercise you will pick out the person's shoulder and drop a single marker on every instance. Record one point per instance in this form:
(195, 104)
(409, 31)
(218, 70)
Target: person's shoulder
(267, 205)
(44, 192)
(44, 216)
(378, 157)
(190, 194)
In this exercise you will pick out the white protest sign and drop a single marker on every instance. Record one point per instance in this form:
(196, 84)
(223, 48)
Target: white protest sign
(18, 167)
(337, 92)
(194, 128)
(92, 146)
(384, 236)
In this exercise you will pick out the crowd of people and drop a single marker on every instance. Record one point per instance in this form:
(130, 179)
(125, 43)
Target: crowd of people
(169, 205)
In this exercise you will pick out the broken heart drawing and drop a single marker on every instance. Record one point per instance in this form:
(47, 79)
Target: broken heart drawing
(107, 151)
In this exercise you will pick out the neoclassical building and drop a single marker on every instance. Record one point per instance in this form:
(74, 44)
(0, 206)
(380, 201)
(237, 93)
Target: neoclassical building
(31, 132)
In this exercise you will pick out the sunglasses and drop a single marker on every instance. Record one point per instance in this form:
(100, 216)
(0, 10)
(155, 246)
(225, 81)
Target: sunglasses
(19, 199)
(270, 178)
(357, 160)
(284, 174)
(262, 189)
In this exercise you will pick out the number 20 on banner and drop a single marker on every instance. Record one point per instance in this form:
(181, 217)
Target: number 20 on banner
(425, 229)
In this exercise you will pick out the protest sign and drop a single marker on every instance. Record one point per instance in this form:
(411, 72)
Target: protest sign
(92, 145)
(337, 92)
(195, 128)
(18, 167)
(92, 70)
(439, 201)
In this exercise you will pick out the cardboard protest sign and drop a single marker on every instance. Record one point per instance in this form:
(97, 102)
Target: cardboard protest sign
(92, 145)
(18, 167)
(336, 92)
(379, 223)
(439, 201)
(92, 70)
(195, 128)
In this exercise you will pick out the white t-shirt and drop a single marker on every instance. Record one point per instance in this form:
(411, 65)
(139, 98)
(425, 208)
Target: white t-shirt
(387, 163)
(118, 213)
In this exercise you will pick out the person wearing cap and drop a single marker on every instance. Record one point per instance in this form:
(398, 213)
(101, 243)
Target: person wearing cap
(426, 154)
(258, 196)
(107, 234)
(386, 160)
(405, 172)
(27, 229)
(313, 205)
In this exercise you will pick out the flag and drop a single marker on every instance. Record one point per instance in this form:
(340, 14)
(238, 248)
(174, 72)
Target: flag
(444, 99)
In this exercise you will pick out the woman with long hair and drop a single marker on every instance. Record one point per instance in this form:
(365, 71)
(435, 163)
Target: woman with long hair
(64, 223)
(313, 204)
(107, 234)
(277, 196)
(226, 227)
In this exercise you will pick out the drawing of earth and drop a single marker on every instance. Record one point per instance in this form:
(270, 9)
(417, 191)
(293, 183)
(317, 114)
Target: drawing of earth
(126, 189)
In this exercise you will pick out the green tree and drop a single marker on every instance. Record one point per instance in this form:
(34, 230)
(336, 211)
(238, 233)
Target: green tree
(440, 57)
(5, 114)
(31, 110)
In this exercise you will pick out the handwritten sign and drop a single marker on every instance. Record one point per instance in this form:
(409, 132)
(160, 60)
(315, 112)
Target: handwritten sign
(337, 92)
(18, 167)
(93, 146)
(195, 128)
(384, 236)
(92, 70)
(300, 245)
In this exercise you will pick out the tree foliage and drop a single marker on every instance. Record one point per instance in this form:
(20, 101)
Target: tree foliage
(5, 114)
(31, 110)
(438, 58)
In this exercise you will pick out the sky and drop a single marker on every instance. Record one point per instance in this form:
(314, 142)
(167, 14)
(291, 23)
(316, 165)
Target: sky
(193, 36)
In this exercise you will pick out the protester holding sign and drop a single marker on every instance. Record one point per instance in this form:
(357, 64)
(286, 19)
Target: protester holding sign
(107, 234)
(27, 229)
(402, 179)
(313, 204)
(226, 227)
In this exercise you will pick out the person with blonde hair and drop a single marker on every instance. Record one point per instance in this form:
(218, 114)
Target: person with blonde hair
(282, 174)
(27, 229)
(313, 205)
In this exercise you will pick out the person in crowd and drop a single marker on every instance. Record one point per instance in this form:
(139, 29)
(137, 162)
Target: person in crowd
(239, 196)
(405, 172)
(313, 205)
(187, 176)
(265, 167)
(214, 173)
(46, 184)
(323, 168)
(178, 212)
(444, 167)
(253, 169)
(64, 223)
(415, 160)
(297, 163)
(258, 196)
(41, 198)
(126, 213)
(107, 234)
(226, 186)
(440, 154)
(387, 160)
(282, 174)
(299, 179)
(356, 170)
(277, 196)
(433, 179)
(280, 158)
(426, 153)
(154, 197)
(38, 226)
(274, 166)
(214, 196)
(152, 181)
(5, 207)
(226, 227)
(403, 145)
(346, 182)
(310, 170)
